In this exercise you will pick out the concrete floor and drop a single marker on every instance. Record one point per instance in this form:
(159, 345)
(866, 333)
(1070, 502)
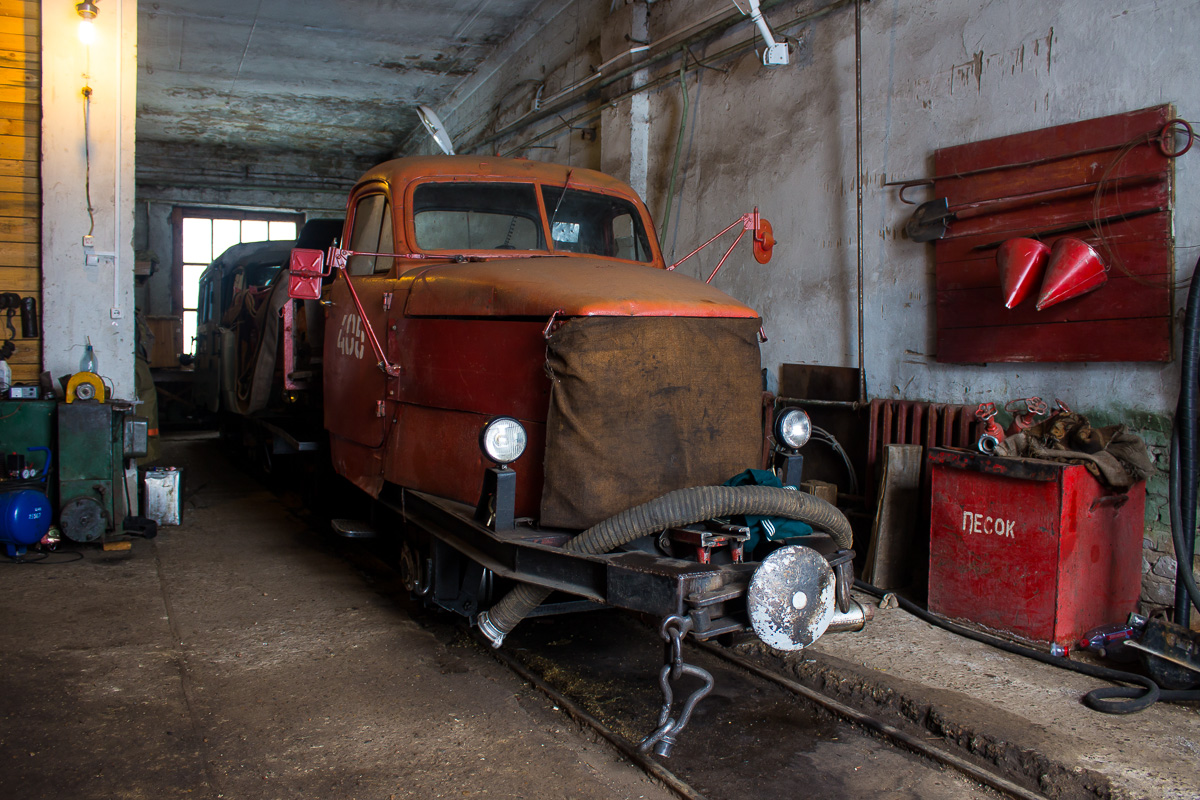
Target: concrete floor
(1023, 715)
(238, 657)
(246, 654)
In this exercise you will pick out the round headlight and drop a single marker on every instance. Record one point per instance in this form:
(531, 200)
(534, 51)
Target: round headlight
(792, 428)
(503, 440)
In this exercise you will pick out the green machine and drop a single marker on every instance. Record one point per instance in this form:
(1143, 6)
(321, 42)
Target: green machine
(27, 432)
(94, 441)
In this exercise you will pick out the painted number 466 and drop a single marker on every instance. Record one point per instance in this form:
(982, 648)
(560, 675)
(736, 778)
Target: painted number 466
(351, 337)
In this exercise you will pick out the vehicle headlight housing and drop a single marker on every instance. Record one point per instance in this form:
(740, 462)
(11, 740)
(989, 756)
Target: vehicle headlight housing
(792, 428)
(503, 440)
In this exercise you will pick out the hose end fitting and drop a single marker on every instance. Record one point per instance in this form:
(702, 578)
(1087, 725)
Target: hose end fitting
(493, 634)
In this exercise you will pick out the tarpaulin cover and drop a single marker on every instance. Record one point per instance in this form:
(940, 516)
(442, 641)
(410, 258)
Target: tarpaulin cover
(640, 406)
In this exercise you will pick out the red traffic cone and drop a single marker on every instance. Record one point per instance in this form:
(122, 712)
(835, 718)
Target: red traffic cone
(1021, 262)
(1074, 268)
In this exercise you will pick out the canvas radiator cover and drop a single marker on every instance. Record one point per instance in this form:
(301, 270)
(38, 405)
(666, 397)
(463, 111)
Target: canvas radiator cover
(640, 406)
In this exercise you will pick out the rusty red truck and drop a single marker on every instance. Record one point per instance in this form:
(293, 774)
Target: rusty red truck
(547, 415)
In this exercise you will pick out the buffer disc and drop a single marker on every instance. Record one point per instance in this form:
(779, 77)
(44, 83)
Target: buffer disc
(791, 599)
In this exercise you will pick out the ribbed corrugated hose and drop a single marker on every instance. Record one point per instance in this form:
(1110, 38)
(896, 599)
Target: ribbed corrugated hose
(681, 507)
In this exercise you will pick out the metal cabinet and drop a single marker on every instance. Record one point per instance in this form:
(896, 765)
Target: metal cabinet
(1036, 549)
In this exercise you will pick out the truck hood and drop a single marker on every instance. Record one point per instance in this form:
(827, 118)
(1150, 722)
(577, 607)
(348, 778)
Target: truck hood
(573, 286)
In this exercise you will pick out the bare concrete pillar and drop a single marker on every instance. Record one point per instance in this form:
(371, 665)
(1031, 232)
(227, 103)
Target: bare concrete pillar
(625, 141)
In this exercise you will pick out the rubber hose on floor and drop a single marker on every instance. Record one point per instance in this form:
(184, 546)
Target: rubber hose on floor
(681, 507)
(1136, 698)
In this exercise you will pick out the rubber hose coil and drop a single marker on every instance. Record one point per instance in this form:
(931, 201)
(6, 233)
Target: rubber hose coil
(681, 507)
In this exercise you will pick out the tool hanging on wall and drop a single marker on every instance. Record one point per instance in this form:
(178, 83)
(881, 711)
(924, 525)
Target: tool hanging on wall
(931, 220)
(11, 303)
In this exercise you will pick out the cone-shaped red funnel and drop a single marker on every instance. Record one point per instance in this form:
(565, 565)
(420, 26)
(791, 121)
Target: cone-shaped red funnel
(1074, 269)
(1021, 262)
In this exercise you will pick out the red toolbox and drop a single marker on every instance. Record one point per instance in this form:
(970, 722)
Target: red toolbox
(1039, 550)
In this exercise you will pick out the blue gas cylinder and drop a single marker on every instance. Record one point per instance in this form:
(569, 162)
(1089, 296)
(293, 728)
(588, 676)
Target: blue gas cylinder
(25, 517)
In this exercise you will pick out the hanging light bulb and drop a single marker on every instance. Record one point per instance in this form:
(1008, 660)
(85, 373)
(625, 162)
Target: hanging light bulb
(87, 12)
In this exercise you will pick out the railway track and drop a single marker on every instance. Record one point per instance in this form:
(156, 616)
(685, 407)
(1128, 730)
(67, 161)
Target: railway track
(758, 734)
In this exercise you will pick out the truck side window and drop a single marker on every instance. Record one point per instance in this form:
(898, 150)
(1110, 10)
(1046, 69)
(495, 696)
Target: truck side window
(627, 243)
(372, 234)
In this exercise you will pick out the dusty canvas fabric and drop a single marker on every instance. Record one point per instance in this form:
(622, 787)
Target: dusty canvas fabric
(1118, 458)
(640, 406)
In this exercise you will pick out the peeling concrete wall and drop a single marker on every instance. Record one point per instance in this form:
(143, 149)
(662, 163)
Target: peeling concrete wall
(80, 300)
(935, 73)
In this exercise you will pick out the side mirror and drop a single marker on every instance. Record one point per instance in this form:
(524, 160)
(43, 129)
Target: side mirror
(764, 240)
(306, 269)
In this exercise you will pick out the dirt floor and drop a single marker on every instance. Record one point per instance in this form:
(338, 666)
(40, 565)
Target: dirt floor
(238, 657)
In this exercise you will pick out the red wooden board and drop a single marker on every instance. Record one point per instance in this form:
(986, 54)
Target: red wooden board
(1129, 318)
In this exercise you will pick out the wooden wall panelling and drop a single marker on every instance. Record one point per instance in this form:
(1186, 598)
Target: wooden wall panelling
(1129, 318)
(20, 189)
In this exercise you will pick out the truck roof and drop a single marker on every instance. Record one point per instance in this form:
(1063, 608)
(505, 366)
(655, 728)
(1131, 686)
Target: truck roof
(401, 171)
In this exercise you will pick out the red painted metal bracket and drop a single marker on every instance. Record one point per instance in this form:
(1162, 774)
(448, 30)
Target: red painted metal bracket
(764, 241)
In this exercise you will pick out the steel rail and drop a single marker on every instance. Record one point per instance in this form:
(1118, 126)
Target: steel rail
(627, 748)
(847, 713)
(889, 732)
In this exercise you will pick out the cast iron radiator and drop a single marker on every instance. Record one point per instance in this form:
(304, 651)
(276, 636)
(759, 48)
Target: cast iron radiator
(918, 422)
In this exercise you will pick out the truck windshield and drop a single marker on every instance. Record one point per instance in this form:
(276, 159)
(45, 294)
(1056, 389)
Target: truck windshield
(458, 216)
(477, 216)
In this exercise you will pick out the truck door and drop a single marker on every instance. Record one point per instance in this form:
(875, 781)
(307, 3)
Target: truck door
(356, 407)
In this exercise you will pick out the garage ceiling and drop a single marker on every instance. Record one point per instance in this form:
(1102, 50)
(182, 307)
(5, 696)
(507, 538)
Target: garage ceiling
(320, 77)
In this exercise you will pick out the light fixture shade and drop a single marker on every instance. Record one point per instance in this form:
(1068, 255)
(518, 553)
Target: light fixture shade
(87, 11)
(436, 128)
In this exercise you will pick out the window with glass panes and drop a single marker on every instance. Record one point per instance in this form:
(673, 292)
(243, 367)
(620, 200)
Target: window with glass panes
(201, 235)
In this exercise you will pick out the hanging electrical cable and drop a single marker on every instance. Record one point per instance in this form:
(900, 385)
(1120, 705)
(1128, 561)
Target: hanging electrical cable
(823, 436)
(662, 233)
(87, 157)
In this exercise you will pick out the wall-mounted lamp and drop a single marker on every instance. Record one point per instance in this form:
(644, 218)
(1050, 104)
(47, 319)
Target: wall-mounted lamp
(776, 52)
(87, 12)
